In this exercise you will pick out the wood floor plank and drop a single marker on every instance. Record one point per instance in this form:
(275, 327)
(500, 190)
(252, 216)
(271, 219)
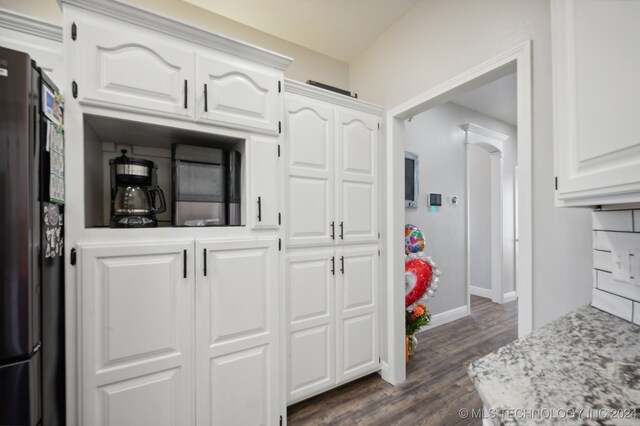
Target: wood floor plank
(437, 385)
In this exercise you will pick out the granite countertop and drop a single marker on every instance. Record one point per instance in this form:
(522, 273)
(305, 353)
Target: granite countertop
(583, 368)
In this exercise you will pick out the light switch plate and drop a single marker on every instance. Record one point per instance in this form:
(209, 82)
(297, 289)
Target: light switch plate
(620, 267)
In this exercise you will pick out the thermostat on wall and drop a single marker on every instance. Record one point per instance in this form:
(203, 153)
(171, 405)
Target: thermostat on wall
(435, 199)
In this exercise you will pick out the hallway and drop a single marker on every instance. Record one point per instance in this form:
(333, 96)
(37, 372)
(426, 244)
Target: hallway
(437, 385)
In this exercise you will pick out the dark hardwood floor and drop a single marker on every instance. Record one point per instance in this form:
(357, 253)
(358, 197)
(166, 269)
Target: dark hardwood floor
(437, 385)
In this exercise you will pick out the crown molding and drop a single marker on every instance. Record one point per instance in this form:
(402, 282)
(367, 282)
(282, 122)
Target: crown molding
(28, 25)
(303, 89)
(478, 135)
(161, 24)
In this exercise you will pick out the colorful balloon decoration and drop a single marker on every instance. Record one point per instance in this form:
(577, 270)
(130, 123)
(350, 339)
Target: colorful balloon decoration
(413, 239)
(421, 272)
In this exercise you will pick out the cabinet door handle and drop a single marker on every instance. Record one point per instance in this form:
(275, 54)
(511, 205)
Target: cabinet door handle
(342, 264)
(259, 209)
(333, 265)
(204, 252)
(206, 101)
(342, 230)
(333, 230)
(186, 89)
(184, 264)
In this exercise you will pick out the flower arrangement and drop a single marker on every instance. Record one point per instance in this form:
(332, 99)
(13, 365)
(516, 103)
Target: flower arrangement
(416, 319)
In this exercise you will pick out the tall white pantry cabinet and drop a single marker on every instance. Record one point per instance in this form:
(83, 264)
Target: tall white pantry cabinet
(332, 239)
(170, 325)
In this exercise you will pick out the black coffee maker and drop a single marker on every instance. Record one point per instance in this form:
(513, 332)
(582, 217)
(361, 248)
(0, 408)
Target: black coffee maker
(134, 192)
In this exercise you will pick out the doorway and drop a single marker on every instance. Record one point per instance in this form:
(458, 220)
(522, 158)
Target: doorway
(491, 193)
(516, 60)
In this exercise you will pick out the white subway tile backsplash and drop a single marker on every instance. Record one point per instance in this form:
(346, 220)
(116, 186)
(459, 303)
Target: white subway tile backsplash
(613, 220)
(605, 281)
(617, 232)
(615, 305)
(602, 260)
(617, 240)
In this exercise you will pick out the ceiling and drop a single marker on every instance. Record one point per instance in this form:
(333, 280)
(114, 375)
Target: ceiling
(497, 99)
(337, 28)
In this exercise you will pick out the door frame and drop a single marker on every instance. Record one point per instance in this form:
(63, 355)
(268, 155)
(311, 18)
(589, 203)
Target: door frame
(492, 143)
(516, 59)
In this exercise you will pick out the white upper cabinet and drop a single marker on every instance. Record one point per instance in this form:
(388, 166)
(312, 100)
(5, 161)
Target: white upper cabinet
(265, 176)
(357, 189)
(596, 56)
(309, 136)
(135, 71)
(332, 171)
(137, 326)
(146, 64)
(237, 95)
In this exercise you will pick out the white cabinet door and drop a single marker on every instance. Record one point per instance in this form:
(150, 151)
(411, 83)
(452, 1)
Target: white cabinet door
(237, 333)
(135, 72)
(237, 95)
(357, 316)
(309, 135)
(265, 177)
(136, 329)
(311, 322)
(596, 100)
(357, 185)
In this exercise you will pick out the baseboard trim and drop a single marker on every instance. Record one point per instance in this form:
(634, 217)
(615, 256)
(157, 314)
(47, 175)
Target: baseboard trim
(509, 297)
(482, 292)
(446, 317)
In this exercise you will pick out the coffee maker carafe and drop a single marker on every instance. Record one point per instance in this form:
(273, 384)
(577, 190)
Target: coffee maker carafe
(134, 192)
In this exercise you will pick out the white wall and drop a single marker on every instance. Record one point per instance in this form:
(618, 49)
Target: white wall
(307, 64)
(438, 40)
(480, 217)
(436, 137)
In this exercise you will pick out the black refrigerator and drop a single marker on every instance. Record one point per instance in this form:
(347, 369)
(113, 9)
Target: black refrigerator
(32, 375)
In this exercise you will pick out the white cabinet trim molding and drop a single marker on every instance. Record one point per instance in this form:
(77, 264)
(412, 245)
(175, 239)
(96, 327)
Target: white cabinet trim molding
(28, 25)
(307, 90)
(152, 21)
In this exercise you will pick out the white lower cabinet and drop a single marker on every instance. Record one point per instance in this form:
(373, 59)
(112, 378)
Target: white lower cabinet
(332, 319)
(356, 316)
(142, 305)
(237, 337)
(137, 348)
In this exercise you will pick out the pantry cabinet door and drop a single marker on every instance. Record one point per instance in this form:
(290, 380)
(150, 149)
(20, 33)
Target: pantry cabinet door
(264, 175)
(309, 141)
(235, 94)
(135, 72)
(136, 330)
(357, 176)
(310, 295)
(357, 311)
(596, 101)
(237, 333)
